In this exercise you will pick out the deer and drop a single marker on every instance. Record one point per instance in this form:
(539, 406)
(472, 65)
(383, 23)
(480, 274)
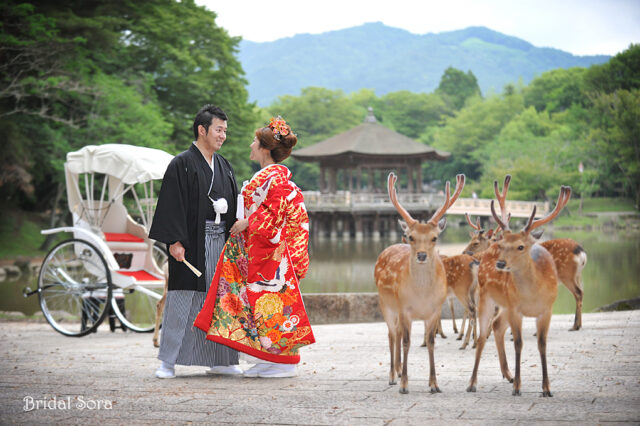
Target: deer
(160, 305)
(520, 277)
(569, 257)
(412, 284)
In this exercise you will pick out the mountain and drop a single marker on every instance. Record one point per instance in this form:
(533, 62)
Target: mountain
(387, 59)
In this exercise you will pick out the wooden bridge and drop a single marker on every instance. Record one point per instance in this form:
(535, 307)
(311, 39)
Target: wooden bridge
(358, 214)
(345, 201)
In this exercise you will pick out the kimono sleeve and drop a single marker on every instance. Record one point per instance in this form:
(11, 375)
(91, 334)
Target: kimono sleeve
(265, 229)
(170, 218)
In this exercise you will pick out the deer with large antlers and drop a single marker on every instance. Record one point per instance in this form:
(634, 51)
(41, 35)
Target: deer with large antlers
(568, 255)
(520, 277)
(412, 283)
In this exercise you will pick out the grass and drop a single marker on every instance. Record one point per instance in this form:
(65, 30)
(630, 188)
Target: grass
(20, 234)
(598, 205)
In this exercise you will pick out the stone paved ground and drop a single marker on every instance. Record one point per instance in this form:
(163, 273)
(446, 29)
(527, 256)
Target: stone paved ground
(595, 379)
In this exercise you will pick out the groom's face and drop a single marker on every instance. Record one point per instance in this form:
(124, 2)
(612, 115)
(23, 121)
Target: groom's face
(216, 134)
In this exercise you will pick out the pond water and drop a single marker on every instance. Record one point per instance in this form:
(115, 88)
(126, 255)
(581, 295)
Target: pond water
(612, 272)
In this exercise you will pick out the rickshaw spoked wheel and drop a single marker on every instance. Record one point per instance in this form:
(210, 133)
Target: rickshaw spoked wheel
(137, 310)
(74, 287)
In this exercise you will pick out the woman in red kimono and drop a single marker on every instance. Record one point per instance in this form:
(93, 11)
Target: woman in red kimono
(255, 305)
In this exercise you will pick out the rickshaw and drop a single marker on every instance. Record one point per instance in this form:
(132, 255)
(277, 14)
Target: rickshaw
(110, 267)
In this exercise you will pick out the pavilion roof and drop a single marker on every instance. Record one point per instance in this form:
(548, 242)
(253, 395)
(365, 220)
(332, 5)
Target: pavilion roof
(369, 139)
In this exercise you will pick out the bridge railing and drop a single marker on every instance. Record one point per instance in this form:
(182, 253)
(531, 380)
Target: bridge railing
(345, 201)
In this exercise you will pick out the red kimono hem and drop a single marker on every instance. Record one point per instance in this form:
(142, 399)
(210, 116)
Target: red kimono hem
(280, 359)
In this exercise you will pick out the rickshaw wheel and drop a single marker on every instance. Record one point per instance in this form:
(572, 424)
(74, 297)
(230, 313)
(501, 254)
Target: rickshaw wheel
(74, 286)
(135, 309)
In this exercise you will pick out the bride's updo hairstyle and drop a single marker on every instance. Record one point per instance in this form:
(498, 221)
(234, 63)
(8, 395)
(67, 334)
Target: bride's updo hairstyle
(278, 138)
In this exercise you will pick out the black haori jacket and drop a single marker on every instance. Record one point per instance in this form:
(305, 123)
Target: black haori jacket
(184, 206)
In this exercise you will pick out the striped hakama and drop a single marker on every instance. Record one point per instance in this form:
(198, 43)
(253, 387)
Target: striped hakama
(181, 342)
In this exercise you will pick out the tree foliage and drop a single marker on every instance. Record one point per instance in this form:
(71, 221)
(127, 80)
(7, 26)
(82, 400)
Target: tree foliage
(456, 87)
(75, 73)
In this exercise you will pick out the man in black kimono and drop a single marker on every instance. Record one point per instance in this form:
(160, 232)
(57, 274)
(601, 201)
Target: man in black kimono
(196, 209)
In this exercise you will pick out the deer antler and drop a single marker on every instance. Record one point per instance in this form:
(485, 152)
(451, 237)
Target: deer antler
(502, 196)
(563, 199)
(477, 226)
(448, 202)
(391, 187)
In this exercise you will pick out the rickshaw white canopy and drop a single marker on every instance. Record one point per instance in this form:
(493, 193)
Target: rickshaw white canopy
(130, 164)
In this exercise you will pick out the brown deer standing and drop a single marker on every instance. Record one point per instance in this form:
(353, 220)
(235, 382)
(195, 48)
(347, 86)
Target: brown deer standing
(568, 256)
(570, 259)
(411, 282)
(519, 276)
(462, 274)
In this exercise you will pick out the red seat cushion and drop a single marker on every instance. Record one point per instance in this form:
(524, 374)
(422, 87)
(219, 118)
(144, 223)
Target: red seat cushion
(123, 238)
(140, 275)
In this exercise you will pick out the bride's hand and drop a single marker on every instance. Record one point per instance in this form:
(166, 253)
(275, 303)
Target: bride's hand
(239, 226)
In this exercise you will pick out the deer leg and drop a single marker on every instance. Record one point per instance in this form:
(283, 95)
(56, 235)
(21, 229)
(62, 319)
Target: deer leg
(426, 335)
(500, 325)
(392, 345)
(576, 289)
(405, 325)
(159, 311)
(485, 312)
(433, 382)
(516, 330)
(542, 325)
(464, 322)
(440, 330)
(453, 315)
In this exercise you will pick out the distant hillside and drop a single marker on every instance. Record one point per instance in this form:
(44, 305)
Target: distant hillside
(387, 59)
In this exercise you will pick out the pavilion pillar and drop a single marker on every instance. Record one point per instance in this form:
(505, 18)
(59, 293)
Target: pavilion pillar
(419, 183)
(376, 228)
(359, 180)
(370, 179)
(332, 180)
(323, 180)
(359, 228)
(393, 228)
(409, 179)
(333, 232)
(349, 175)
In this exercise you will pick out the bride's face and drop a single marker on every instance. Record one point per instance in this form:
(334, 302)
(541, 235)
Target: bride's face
(256, 150)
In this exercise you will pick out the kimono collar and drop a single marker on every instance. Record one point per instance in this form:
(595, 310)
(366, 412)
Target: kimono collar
(271, 165)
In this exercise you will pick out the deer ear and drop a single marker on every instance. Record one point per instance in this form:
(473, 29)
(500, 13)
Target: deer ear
(489, 233)
(403, 225)
(537, 233)
(471, 234)
(442, 223)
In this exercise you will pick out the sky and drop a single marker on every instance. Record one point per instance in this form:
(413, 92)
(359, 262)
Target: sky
(581, 27)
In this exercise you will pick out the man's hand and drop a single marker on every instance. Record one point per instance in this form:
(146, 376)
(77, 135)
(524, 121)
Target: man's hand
(239, 226)
(177, 251)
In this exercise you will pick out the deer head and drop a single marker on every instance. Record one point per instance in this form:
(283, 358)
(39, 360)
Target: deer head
(422, 237)
(480, 240)
(515, 248)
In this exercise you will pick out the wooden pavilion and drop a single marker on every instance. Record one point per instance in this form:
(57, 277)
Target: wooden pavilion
(369, 149)
(361, 159)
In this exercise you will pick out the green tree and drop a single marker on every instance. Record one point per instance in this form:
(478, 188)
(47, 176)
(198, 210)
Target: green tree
(621, 72)
(556, 90)
(456, 87)
(412, 113)
(617, 135)
(469, 130)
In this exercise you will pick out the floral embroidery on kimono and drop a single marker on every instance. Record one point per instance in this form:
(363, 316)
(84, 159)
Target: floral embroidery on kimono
(254, 304)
